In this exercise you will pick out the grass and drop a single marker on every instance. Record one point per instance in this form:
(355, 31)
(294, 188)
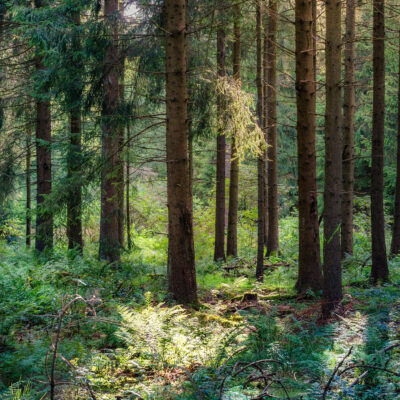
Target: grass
(129, 340)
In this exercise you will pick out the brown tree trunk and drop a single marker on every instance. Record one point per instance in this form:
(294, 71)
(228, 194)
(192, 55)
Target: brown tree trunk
(109, 248)
(127, 189)
(261, 157)
(28, 189)
(181, 259)
(219, 247)
(273, 220)
(348, 130)
(310, 275)
(332, 268)
(265, 122)
(234, 180)
(74, 202)
(395, 247)
(379, 270)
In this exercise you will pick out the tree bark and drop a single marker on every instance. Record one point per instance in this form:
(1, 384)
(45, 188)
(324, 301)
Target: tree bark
(74, 201)
(265, 122)
(379, 270)
(234, 180)
(261, 157)
(273, 210)
(181, 259)
(348, 130)
(219, 246)
(28, 189)
(332, 269)
(310, 276)
(395, 247)
(127, 190)
(109, 249)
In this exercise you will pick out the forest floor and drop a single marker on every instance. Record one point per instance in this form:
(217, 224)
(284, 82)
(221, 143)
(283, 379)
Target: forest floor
(119, 336)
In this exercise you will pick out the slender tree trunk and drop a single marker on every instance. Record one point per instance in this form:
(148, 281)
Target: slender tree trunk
(109, 248)
(219, 247)
(261, 157)
(273, 220)
(74, 202)
(310, 275)
(379, 270)
(395, 247)
(348, 130)
(265, 121)
(181, 259)
(28, 189)
(127, 189)
(120, 170)
(332, 272)
(44, 218)
(234, 180)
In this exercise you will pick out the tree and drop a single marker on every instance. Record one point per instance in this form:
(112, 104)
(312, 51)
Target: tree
(28, 182)
(234, 179)
(332, 270)
(273, 210)
(310, 276)
(261, 157)
(395, 246)
(74, 98)
(44, 217)
(109, 249)
(219, 247)
(348, 130)
(181, 260)
(379, 270)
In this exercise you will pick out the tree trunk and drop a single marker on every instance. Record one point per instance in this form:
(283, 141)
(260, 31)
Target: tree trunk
(234, 180)
(265, 122)
(273, 220)
(127, 189)
(109, 249)
(219, 247)
(332, 272)
(310, 276)
(379, 270)
(395, 247)
(181, 259)
(74, 202)
(261, 157)
(28, 189)
(348, 130)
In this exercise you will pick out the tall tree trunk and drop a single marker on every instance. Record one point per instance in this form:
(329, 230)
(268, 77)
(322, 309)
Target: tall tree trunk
(265, 121)
(234, 180)
(310, 275)
(219, 247)
(348, 130)
(44, 218)
(127, 189)
(109, 248)
(273, 220)
(181, 259)
(261, 157)
(379, 270)
(74, 202)
(28, 189)
(120, 169)
(332, 272)
(121, 134)
(395, 247)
